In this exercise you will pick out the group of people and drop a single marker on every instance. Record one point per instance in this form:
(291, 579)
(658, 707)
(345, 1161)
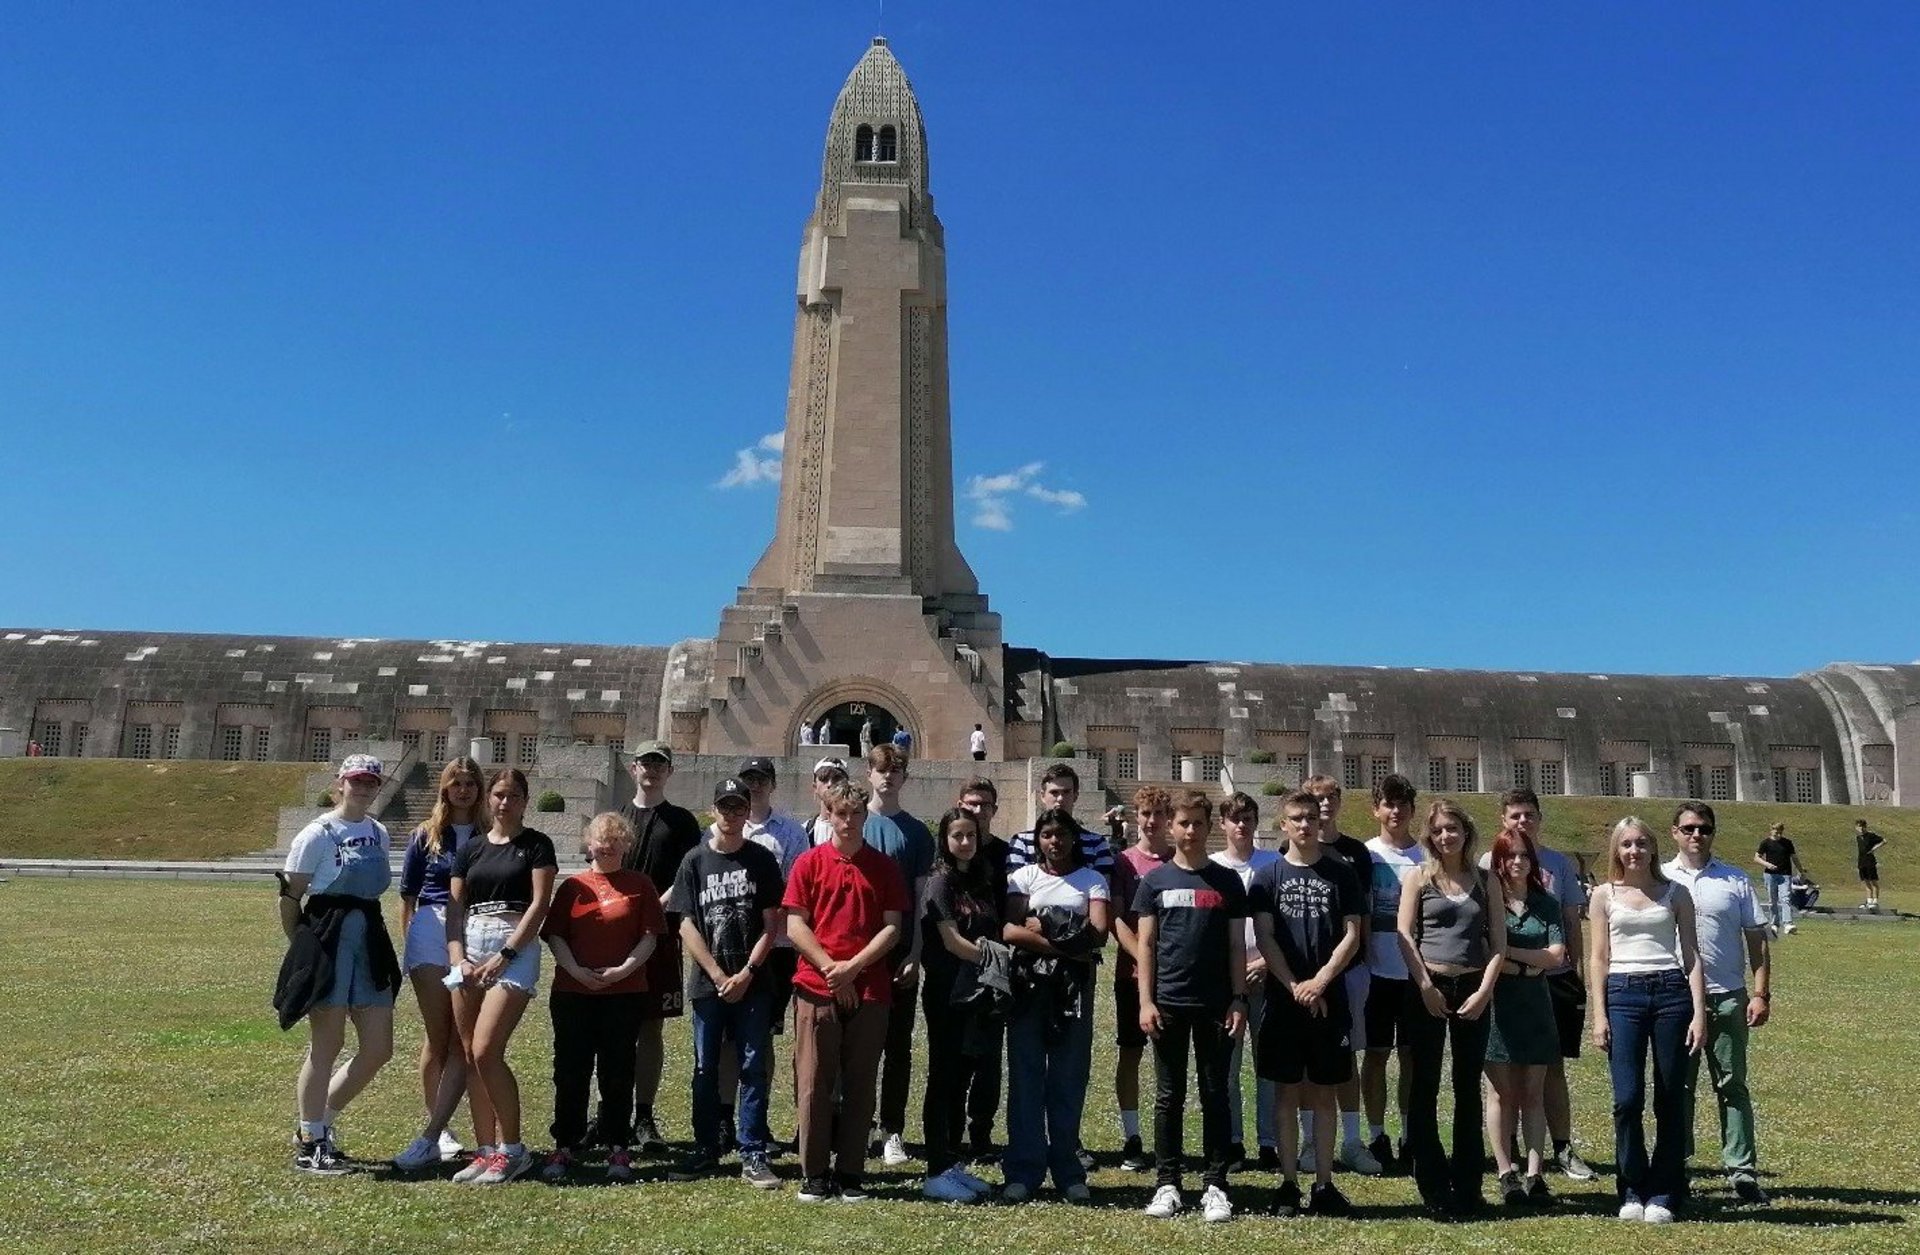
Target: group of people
(1334, 957)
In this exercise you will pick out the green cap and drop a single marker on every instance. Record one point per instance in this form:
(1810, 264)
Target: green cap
(654, 749)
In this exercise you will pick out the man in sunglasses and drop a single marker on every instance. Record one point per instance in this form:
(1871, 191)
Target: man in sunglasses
(1732, 938)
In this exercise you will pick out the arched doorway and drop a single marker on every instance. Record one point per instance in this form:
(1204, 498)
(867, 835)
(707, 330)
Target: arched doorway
(858, 724)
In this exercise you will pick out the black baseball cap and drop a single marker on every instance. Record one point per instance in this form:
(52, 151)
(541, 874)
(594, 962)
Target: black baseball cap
(731, 788)
(762, 766)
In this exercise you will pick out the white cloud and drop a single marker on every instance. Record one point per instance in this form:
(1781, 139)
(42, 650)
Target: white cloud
(756, 464)
(992, 495)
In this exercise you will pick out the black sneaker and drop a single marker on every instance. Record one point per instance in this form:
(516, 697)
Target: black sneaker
(1327, 1200)
(1538, 1195)
(985, 1154)
(1512, 1192)
(1269, 1160)
(1748, 1191)
(1236, 1155)
(729, 1142)
(701, 1163)
(815, 1190)
(1381, 1148)
(647, 1139)
(318, 1157)
(757, 1172)
(1286, 1199)
(591, 1138)
(849, 1189)
(1133, 1157)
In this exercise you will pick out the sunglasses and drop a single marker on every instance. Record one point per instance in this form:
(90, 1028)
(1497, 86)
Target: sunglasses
(1697, 830)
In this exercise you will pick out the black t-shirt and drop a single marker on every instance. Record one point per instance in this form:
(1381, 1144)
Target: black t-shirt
(995, 853)
(662, 835)
(1194, 911)
(1777, 854)
(1309, 906)
(1359, 860)
(725, 896)
(498, 877)
(1865, 843)
(974, 910)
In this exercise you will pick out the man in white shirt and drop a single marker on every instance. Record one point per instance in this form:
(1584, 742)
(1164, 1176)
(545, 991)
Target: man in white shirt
(1731, 937)
(977, 743)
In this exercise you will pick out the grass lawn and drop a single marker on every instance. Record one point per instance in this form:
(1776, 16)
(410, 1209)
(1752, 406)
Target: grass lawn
(124, 808)
(148, 1097)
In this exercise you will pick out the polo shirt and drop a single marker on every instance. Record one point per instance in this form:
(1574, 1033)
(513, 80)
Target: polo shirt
(846, 901)
(1723, 909)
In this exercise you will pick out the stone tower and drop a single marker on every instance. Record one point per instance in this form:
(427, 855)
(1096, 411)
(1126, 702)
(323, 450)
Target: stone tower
(862, 599)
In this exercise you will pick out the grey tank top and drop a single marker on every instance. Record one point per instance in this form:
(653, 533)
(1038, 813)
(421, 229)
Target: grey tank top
(1453, 931)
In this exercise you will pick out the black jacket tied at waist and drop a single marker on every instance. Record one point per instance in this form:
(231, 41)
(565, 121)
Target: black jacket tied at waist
(1061, 983)
(306, 974)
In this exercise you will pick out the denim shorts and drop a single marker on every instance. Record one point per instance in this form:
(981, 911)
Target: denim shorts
(487, 933)
(353, 984)
(426, 944)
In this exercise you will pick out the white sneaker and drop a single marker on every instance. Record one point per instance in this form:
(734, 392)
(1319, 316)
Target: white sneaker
(967, 1179)
(1215, 1206)
(420, 1153)
(1631, 1210)
(1306, 1164)
(947, 1188)
(478, 1165)
(450, 1147)
(1654, 1213)
(504, 1166)
(1791, 929)
(1166, 1203)
(1355, 1155)
(894, 1153)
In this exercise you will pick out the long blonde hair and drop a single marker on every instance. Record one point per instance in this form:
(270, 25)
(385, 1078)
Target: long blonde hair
(1469, 837)
(439, 825)
(1617, 870)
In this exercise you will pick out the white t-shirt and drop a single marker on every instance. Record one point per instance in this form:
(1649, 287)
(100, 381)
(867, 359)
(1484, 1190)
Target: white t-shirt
(316, 853)
(1392, 868)
(977, 741)
(1255, 861)
(1074, 891)
(1723, 909)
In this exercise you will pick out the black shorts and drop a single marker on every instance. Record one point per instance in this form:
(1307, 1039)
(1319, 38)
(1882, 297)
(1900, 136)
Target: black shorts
(1296, 1045)
(1126, 1013)
(1569, 994)
(1385, 1000)
(665, 997)
(1869, 869)
(778, 972)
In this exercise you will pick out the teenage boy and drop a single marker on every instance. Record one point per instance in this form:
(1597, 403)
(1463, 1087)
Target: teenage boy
(1393, 857)
(1731, 936)
(1866, 848)
(663, 834)
(1060, 790)
(846, 904)
(1192, 976)
(981, 799)
(826, 773)
(729, 889)
(907, 841)
(1356, 979)
(1153, 816)
(1520, 816)
(1307, 918)
(782, 836)
(1240, 822)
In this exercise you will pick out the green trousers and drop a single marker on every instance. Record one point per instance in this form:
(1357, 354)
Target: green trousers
(1726, 1055)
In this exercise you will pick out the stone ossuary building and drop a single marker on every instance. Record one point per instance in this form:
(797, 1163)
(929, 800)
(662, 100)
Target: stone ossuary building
(863, 610)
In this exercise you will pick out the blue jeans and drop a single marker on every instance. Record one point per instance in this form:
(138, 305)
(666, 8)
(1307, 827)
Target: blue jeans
(1266, 1095)
(748, 1023)
(1046, 1091)
(1779, 899)
(1649, 1011)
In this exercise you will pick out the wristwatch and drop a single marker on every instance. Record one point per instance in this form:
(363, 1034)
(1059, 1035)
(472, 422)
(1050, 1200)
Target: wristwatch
(509, 953)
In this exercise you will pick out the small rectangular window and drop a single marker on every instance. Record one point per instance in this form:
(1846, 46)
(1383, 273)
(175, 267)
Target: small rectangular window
(527, 753)
(1378, 769)
(1126, 764)
(1350, 771)
(140, 744)
(1296, 773)
(439, 748)
(1210, 764)
(1550, 778)
(1806, 784)
(1522, 776)
(1609, 780)
(1436, 775)
(1696, 780)
(230, 744)
(1720, 784)
(79, 747)
(50, 738)
(410, 740)
(1466, 776)
(319, 745)
(170, 743)
(260, 740)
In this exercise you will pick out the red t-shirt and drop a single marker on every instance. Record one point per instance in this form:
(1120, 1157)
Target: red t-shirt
(846, 901)
(602, 918)
(1128, 871)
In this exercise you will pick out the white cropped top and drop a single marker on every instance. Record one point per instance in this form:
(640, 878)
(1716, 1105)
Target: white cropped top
(1642, 939)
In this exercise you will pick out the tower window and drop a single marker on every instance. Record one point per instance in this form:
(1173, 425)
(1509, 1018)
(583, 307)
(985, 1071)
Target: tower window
(889, 146)
(863, 143)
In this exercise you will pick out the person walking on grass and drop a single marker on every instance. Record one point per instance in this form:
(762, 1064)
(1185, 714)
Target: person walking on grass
(498, 896)
(604, 925)
(1240, 822)
(962, 909)
(1732, 938)
(1779, 864)
(1192, 974)
(846, 903)
(1306, 919)
(1450, 932)
(729, 893)
(1058, 916)
(340, 964)
(1649, 998)
(459, 814)
(1522, 1039)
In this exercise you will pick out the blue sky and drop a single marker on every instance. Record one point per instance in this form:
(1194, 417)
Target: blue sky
(1497, 335)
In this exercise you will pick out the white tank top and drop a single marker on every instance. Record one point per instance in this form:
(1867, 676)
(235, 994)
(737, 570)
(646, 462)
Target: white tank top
(1642, 939)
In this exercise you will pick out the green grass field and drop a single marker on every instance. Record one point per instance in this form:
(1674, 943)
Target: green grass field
(147, 1101)
(123, 808)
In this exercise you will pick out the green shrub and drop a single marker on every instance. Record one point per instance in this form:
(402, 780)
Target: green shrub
(1063, 749)
(1273, 788)
(324, 801)
(1262, 757)
(550, 802)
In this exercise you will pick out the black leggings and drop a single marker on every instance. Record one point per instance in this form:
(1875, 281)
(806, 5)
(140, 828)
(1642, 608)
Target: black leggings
(1423, 1042)
(950, 1071)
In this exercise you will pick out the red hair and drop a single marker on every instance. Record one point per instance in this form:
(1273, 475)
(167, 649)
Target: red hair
(1508, 844)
